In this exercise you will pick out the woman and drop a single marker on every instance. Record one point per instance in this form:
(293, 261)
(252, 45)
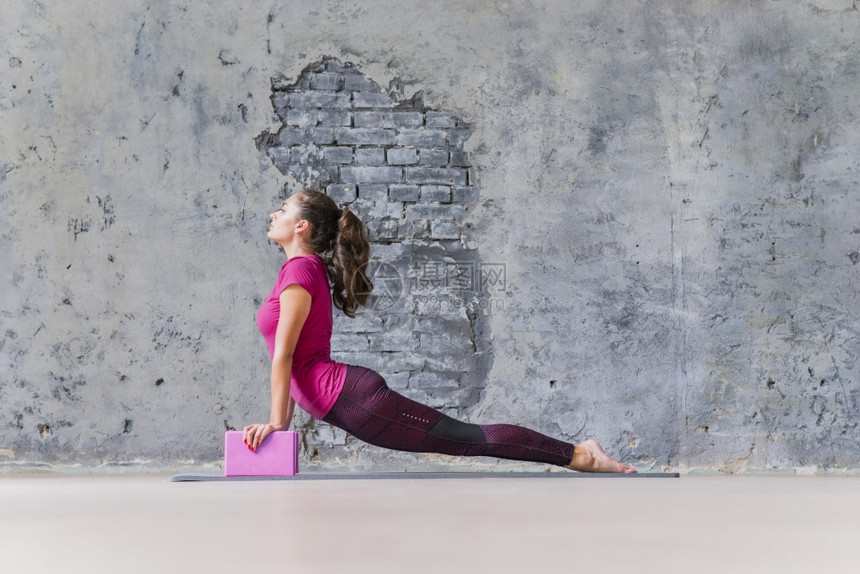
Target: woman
(296, 322)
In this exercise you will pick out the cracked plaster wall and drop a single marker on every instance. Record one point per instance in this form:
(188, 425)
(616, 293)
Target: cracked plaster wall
(671, 188)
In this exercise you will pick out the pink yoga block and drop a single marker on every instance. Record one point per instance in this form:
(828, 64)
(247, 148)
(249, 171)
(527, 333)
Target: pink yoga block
(277, 456)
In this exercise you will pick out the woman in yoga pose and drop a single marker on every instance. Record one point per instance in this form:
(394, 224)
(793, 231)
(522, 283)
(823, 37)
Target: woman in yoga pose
(324, 243)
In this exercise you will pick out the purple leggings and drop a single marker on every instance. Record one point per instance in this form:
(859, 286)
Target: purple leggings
(370, 411)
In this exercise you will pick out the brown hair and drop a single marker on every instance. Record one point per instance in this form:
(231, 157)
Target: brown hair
(342, 233)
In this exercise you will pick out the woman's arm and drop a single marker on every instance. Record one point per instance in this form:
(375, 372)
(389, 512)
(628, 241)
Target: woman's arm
(295, 306)
(290, 407)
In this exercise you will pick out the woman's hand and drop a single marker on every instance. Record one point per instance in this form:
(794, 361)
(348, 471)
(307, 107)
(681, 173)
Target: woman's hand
(254, 434)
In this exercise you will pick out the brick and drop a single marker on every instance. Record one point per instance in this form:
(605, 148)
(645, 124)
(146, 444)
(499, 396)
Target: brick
(461, 397)
(383, 363)
(458, 137)
(328, 435)
(414, 229)
(368, 120)
(431, 379)
(441, 193)
(362, 323)
(315, 67)
(303, 136)
(337, 154)
(279, 155)
(322, 135)
(398, 256)
(434, 157)
(446, 211)
(388, 119)
(403, 192)
(288, 136)
(326, 81)
(280, 101)
(449, 397)
(360, 83)
(435, 175)
(335, 65)
(457, 325)
(379, 208)
(405, 119)
(302, 84)
(299, 154)
(402, 156)
(369, 156)
(421, 138)
(293, 136)
(319, 100)
(460, 159)
(301, 118)
(396, 340)
(372, 174)
(385, 229)
(322, 175)
(372, 100)
(444, 230)
(341, 192)
(334, 118)
(439, 120)
(399, 380)
(373, 191)
(364, 136)
(349, 342)
(424, 380)
(464, 194)
(427, 306)
(456, 356)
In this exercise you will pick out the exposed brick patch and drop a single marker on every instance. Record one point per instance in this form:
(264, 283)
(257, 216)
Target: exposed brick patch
(348, 129)
(401, 167)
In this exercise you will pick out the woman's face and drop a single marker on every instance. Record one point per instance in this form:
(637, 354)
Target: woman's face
(285, 222)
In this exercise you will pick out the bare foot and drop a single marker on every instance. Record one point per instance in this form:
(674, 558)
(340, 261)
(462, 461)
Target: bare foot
(589, 457)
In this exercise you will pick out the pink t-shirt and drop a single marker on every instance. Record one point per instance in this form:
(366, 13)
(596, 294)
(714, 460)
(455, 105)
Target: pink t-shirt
(315, 380)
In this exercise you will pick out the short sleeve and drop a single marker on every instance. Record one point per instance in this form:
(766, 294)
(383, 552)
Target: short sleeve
(297, 271)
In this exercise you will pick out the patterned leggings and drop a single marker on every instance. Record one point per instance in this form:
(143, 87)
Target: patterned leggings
(370, 411)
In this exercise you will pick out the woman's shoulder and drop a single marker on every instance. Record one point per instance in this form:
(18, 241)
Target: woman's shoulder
(307, 267)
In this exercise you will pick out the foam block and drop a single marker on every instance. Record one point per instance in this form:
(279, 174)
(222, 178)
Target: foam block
(277, 456)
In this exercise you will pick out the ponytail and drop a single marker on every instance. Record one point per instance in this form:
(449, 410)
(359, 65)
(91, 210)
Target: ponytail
(348, 269)
(342, 233)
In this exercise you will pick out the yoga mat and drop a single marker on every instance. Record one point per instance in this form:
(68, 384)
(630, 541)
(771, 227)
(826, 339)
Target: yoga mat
(416, 475)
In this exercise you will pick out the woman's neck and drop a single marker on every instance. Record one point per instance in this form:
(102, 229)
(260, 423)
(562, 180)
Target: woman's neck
(294, 250)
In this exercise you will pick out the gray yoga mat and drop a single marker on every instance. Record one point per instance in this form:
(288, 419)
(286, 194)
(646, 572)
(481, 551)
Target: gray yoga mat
(416, 475)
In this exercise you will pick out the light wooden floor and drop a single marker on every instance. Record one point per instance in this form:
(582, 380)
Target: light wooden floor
(696, 524)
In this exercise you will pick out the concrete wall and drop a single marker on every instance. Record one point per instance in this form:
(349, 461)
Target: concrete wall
(670, 190)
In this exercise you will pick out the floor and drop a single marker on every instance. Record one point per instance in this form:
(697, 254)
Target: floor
(701, 524)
